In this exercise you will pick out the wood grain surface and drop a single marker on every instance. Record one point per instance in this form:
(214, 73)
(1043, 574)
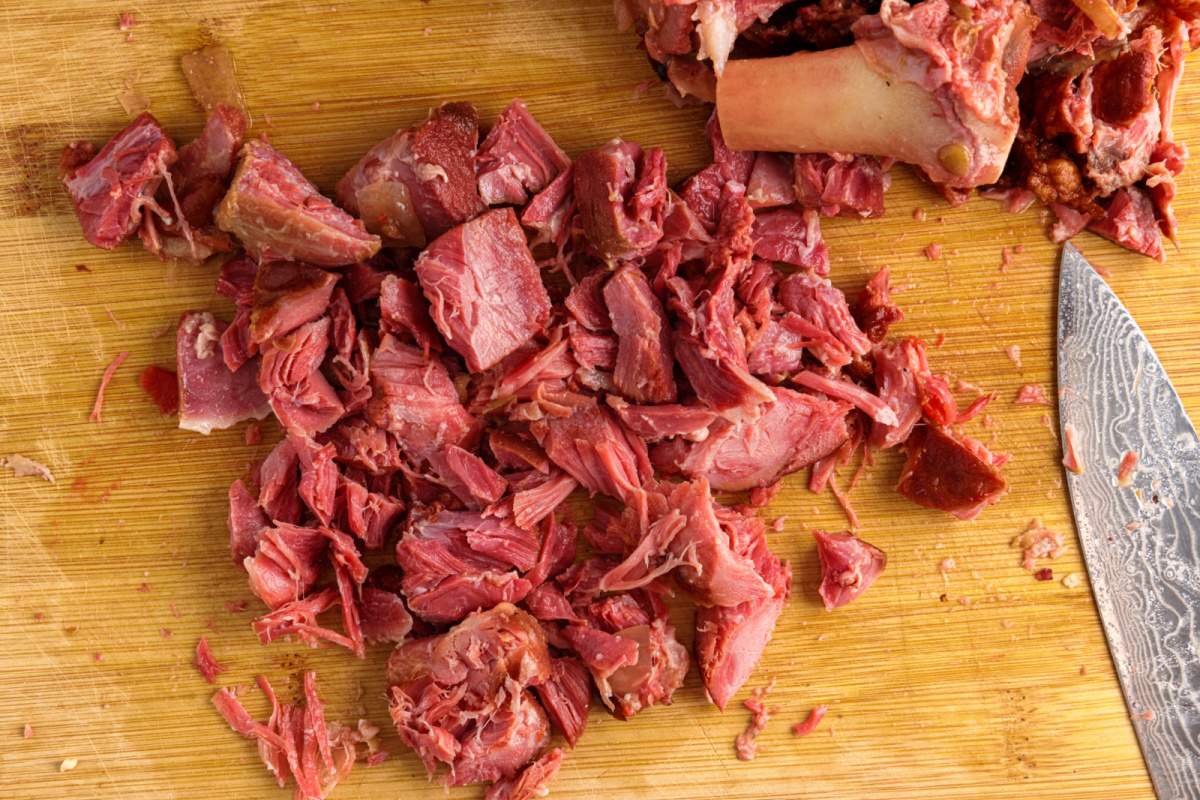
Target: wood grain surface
(980, 684)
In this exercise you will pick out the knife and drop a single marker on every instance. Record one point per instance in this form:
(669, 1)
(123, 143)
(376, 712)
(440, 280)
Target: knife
(1141, 543)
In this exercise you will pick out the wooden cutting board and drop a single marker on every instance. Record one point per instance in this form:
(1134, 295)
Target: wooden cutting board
(982, 683)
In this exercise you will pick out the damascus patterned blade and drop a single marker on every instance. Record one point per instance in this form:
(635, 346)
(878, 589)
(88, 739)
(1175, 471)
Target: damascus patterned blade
(1141, 542)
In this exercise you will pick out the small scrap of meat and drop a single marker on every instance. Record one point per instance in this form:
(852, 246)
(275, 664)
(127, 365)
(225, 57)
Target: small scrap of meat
(110, 189)
(621, 194)
(286, 295)
(644, 366)
(745, 744)
(418, 183)
(1031, 394)
(1126, 469)
(953, 473)
(23, 467)
(105, 379)
(295, 743)
(517, 158)
(492, 725)
(484, 288)
(27, 731)
(208, 665)
(210, 396)
(531, 783)
(810, 722)
(848, 567)
(278, 214)
(126, 21)
(874, 310)
(1044, 574)
(162, 386)
(1071, 459)
(1038, 542)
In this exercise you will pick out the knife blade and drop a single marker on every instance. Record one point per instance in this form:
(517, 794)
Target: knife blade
(1141, 543)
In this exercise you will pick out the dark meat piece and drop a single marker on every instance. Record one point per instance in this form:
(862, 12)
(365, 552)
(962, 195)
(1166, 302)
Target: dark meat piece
(278, 214)
(874, 310)
(461, 698)
(109, 189)
(838, 185)
(591, 445)
(731, 639)
(415, 400)
(1130, 222)
(210, 396)
(162, 385)
(517, 158)
(792, 237)
(951, 473)
(644, 365)
(848, 567)
(456, 562)
(417, 184)
(485, 290)
(621, 194)
(791, 433)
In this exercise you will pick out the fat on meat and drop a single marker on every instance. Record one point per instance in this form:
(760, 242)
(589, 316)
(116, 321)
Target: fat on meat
(277, 213)
(210, 396)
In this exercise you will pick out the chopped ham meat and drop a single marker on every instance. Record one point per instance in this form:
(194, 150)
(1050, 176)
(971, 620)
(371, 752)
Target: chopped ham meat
(105, 379)
(278, 214)
(295, 743)
(110, 188)
(760, 714)
(1127, 468)
(1071, 459)
(517, 158)
(953, 473)
(483, 286)
(1031, 394)
(531, 783)
(210, 396)
(810, 722)
(621, 193)
(1038, 542)
(848, 567)
(206, 663)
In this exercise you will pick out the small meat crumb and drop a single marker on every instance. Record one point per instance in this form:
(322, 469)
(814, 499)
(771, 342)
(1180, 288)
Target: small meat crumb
(810, 722)
(1071, 458)
(68, 764)
(933, 251)
(97, 657)
(1147, 715)
(109, 371)
(1044, 574)
(1126, 469)
(235, 606)
(126, 20)
(947, 566)
(165, 633)
(253, 434)
(82, 268)
(27, 731)
(779, 524)
(162, 385)
(1083, 670)
(1031, 394)
(1013, 351)
(144, 587)
(23, 467)
(760, 715)
(206, 662)
(1072, 580)
(919, 214)
(1038, 541)
(316, 105)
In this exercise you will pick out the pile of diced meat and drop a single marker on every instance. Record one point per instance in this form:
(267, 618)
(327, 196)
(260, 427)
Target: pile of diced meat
(1064, 102)
(472, 331)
